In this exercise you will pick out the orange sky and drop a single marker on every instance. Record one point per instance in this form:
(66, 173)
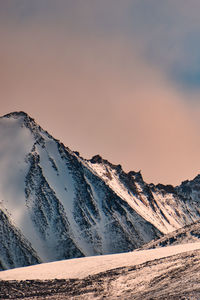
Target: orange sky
(97, 92)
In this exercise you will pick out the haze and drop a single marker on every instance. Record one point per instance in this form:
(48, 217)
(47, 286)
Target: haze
(115, 78)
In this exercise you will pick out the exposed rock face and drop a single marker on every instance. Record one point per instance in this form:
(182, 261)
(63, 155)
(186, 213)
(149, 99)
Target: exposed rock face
(64, 206)
(190, 189)
(15, 250)
(187, 234)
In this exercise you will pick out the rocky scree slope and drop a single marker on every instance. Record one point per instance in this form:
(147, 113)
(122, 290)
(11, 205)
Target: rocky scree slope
(61, 206)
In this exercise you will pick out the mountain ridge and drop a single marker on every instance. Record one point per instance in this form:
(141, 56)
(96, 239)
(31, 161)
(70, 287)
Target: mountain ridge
(67, 206)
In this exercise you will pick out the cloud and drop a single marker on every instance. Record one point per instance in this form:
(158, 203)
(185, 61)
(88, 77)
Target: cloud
(169, 34)
(87, 81)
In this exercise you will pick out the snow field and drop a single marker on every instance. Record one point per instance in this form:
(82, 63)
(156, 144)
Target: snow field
(83, 267)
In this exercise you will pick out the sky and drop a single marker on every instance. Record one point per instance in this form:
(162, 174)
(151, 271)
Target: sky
(111, 77)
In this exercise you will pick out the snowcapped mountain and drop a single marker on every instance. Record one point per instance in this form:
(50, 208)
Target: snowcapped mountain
(57, 205)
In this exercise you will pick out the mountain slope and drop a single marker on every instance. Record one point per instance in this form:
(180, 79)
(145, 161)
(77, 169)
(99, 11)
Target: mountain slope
(15, 250)
(88, 266)
(67, 207)
(166, 207)
(187, 234)
(59, 204)
(165, 273)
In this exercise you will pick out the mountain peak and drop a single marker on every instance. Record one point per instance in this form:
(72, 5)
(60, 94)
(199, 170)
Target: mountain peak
(197, 178)
(96, 159)
(26, 121)
(20, 115)
(16, 114)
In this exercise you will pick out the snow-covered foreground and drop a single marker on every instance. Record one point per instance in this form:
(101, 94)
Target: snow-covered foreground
(167, 273)
(83, 267)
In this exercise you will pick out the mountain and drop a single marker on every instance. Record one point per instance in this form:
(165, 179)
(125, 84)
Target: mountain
(187, 234)
(15, 250)
(59, 205)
